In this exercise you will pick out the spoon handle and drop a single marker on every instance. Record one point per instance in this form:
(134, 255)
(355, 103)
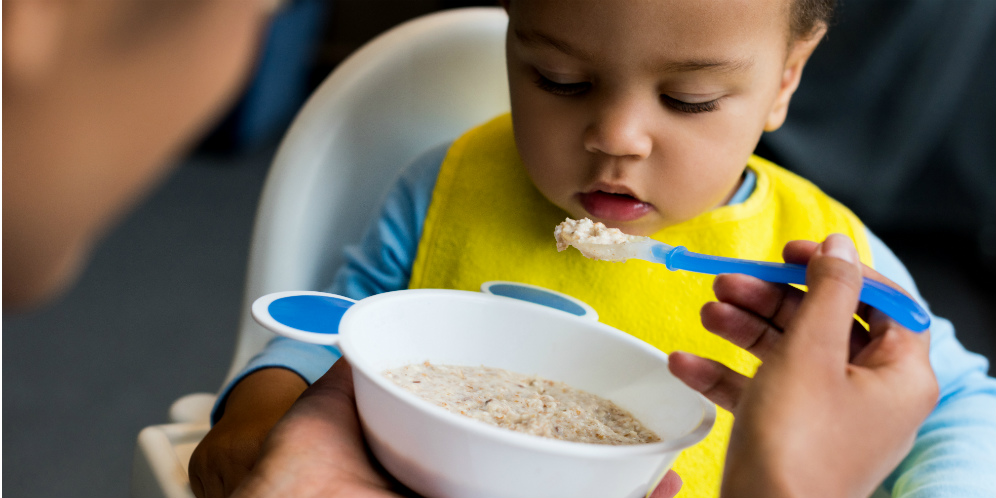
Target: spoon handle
(886, 299)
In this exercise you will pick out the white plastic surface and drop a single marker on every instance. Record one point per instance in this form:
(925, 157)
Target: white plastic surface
(588, 312)
(419, 85)
(194, 408)
(445, 455)
(159, 468)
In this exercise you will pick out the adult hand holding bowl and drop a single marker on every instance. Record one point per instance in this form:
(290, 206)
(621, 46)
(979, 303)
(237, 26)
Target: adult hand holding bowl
(442, 454)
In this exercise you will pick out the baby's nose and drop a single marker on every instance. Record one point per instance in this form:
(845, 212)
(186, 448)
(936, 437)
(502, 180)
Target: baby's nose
(620, 129)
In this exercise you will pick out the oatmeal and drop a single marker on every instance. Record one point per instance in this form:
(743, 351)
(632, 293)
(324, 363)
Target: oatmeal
(595, 240)
(523, 403)
(585, 231)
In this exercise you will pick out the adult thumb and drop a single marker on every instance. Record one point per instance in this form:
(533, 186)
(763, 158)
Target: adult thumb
(822, 326)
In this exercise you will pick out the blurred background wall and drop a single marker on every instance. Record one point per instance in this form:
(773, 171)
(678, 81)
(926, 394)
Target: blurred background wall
(894, 117)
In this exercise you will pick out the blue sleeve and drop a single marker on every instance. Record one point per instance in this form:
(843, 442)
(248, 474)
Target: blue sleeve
(382, 262)
(954, 454)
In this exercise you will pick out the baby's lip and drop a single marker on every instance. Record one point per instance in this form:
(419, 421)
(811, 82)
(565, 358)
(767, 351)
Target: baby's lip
(610, 188)
(618, 206)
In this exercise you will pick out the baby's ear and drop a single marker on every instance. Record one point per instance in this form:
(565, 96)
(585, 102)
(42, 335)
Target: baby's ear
(32, 37)
(799, 53)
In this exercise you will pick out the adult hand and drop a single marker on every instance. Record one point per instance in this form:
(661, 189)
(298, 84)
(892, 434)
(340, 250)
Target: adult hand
(832, 410)
(317, 450)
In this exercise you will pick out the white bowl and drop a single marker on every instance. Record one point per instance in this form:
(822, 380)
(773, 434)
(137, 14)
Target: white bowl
(445, 455)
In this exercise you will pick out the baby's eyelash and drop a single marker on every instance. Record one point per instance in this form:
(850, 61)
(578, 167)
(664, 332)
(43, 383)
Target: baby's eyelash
(564, 89)
(688, 107)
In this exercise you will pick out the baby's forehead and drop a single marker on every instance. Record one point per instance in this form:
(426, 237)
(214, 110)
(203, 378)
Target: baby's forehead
(719, 33)
(669, 23)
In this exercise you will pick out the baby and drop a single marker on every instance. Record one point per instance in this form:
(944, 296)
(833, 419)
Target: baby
(642, 115)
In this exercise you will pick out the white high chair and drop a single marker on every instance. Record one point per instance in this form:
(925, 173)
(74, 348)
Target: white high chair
(416, 86)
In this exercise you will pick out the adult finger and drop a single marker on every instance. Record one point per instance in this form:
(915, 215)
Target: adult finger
(772, 302)
(899, 362)
(799, 251)
(868, 313)
(337, 381)
(756, 314)
(822, 326)
(757, 335)
(890, 342)
(329, 405)
(715, 381)
(668, 487)
(742, 328)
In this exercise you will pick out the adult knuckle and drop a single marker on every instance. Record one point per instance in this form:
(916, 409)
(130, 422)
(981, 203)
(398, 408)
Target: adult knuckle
(833, 271)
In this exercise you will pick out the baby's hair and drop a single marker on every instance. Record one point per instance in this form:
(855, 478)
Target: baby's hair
(810, 15)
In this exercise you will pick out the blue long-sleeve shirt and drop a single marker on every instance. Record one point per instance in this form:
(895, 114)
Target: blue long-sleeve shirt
(955, 450)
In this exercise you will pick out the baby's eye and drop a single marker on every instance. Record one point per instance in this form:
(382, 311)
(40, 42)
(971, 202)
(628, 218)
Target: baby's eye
(689, 107)
(564, 89)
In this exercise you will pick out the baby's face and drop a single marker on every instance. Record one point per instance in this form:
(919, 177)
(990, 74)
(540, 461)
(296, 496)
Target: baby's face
(642, 114)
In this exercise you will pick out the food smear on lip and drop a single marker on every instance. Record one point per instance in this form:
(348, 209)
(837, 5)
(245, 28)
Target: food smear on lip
(593, 239)
(523, 403)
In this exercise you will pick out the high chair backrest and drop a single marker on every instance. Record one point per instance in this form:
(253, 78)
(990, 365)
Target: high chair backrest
(415, 86)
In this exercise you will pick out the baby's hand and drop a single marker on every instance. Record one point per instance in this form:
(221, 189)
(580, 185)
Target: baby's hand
(225, 456)
(230, 449)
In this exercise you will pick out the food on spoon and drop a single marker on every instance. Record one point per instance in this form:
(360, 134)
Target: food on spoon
(593, 239)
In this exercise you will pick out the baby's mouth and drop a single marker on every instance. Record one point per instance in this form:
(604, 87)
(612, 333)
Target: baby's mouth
(613, 207)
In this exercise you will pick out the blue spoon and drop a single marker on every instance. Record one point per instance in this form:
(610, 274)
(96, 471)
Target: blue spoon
(886, 299)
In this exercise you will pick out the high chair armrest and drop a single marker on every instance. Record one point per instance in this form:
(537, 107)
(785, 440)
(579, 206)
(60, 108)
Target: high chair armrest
(159, 468)
(194, 408)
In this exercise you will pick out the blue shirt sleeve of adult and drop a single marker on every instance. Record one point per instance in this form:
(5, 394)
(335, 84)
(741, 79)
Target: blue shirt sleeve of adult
(382, 262)
(954, 454)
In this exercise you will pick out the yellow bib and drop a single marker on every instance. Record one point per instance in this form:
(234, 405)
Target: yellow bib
(487, 222)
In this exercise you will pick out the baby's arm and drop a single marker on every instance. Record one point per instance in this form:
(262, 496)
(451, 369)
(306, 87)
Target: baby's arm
(955, 451)
(249, 406)
(229, 450)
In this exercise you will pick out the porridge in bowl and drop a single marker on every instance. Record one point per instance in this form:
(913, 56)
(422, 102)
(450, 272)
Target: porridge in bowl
(523, 403)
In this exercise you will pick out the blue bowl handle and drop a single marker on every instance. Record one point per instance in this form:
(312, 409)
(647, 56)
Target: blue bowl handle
(307, 316)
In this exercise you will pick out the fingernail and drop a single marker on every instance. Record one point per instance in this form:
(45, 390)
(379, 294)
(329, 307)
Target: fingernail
(840, 246)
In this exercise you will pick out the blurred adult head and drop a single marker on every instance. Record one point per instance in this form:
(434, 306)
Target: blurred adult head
(99, 98)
